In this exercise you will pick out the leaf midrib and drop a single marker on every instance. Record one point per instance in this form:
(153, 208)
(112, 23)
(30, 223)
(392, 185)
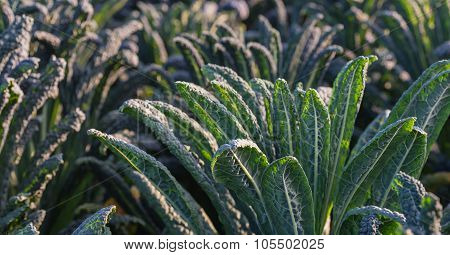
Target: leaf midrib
(316, 152)
(171, 202)
(408, 107)
(336, 159)
(291, 211)
(291, 149)
(399, 166)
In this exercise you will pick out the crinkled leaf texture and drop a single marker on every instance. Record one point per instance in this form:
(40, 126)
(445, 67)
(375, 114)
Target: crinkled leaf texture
(156, 172)
(158, 125)
(29, 229)
(445, 221)
(240, 165)
(373, 220)
(96, 223)
(344, 105)
(215, 116)
(362, 171)
(285, 128)
(427, 99)
(315, 149)
(288, 197)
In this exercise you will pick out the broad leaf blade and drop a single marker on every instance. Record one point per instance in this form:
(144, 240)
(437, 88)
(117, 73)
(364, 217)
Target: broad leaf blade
(188, 130)
(366, 166)
(236, 82)
(409, 157)
(288, 197)
(262, 89)
(373, 220)
(174, 222)
(264, 61)
(271, 38)
(157, 123)
(347, 94)
(427, 99)
(445, 221)
(370, 131)
(239, 165)
(431, 213)
(240, 54)
(10, 98)
(96, 223)
(215, 116)
(29, 229)
(285, 129)
(192, 56)
(236, 105)
(367, 210)
(157, 173)
(410, 194)
(315, 149)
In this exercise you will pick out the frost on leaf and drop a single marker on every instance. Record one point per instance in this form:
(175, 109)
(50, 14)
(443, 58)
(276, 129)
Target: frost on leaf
(96, 223)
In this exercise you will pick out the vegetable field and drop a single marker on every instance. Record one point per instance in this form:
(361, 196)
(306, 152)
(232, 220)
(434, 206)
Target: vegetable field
(225, 117)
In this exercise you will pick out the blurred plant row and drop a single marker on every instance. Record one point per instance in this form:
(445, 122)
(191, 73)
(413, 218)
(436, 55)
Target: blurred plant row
(68, 66)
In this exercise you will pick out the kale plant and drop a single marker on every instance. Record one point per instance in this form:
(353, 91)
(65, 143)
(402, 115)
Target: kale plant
(285, 162)
(55, 64)
(25, 88)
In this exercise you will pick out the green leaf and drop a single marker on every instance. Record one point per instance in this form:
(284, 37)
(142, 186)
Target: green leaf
(156, 172)
(236, 105)
(214, 115)
(192, 56)
(188, 130)
(29, 229)
(361, 172)
(373, 220)
(370, 131)
(264, 115)
(212, 71)
(262, 89)
(409, 158)
(369, 225)
(295, 54)
(271, 38)
(288, 197)
(315, 150)
(223, 30)
(427, 99)
(156, 121)
(174, 222)
(431, 213)
(10, 98)
(285, 129)
(375, 210)
(410, 193)
(423, 210)
(299, 97)
(240, 55)
(43, 174)
(107, 11)
(240, 165)
(445, 221)
(347, 94)
(199, 45)
(96, 223)
(264, 61)
(13, 215)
